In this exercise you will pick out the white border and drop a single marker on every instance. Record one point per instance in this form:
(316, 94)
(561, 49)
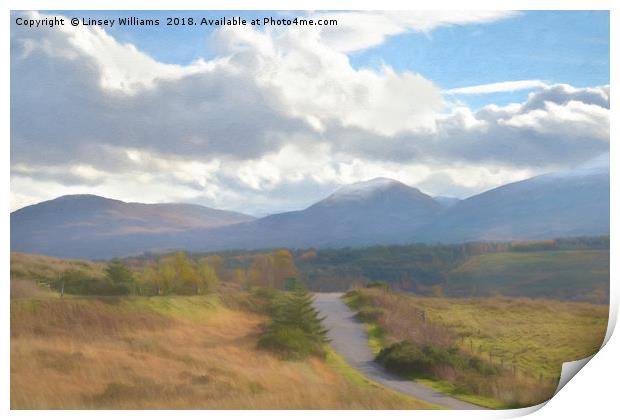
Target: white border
(592, 395)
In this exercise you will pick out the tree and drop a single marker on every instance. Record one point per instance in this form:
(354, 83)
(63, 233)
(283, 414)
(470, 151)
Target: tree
(296, 329)
(296, 309)
(186, 277)
(207, 277)
(283, 267)
(261, 272)
(165, 277)
(120, 277)
(149, 279)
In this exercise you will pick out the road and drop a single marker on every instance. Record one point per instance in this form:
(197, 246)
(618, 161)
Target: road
(349, 338)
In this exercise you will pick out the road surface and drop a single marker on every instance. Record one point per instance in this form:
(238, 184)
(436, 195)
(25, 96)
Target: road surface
(349, 338)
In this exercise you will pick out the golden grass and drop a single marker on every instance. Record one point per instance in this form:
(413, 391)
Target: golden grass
(35, 267)
(166, 352)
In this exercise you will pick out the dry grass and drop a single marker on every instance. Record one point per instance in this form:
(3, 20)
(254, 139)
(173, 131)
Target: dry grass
(166, 352)
(36, 267)
(528, 339)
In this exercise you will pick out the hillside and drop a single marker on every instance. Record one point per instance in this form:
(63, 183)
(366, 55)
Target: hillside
(89, 226)
(568, 269)
(167, 352)
(573, 275)
(570, 203)
(377, 211)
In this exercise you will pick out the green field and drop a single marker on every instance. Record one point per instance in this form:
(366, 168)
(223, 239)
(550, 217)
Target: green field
(569, 275)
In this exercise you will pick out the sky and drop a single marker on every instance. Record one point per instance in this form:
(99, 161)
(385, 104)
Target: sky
(268, 119)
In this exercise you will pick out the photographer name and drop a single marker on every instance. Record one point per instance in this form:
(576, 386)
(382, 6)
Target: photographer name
(173, 21)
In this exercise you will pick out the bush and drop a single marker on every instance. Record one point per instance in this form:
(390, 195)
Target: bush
(291, 342)
(378, 285)
(355, 300)
(369, 314)
(416, 360)
(75, 282)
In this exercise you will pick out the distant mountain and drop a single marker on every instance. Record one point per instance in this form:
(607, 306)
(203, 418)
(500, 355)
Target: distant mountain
(447, 202)
(379, 211)
(98, 227)
(569, 203)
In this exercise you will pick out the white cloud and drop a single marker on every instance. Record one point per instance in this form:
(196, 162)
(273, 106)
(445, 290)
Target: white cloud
(361, 30)
(318, 84)
(509, 86)
(279, 120)
(573, 119)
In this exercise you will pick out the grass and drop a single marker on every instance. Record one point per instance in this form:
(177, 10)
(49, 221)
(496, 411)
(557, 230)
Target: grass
(375, 337)
(569, 275)
(169, 352)
(450, 389)
(29, 271)
(536, 335)
(39, 267)
(527, 339)
(354, 377)
(181, 307)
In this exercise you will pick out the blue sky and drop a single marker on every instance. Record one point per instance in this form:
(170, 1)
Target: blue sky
(267, 121)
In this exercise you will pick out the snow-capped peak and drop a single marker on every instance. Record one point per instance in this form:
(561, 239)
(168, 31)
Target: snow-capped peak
(364, 189)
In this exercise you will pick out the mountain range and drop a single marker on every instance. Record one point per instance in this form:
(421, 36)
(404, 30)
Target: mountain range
(379, 211)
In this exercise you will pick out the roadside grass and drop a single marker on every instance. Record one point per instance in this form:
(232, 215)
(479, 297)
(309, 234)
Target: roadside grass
(375, 337)
(526, 339)
(354, 377)
(575, 275)
(449, 389)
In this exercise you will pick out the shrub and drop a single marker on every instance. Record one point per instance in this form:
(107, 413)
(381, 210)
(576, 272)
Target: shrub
(291, 342)
(356, 300)
(369, 314)
(75, 282)
(378, 285)
(426, 360)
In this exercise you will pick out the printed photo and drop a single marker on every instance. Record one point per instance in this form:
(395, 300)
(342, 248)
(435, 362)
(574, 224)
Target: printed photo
(306, 209)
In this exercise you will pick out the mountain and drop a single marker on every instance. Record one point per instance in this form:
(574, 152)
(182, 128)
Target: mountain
(568, 203)
(379, 211)
(98, 227)
(446, 202)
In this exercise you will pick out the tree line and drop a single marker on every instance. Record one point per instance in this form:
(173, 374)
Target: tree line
(179, 274)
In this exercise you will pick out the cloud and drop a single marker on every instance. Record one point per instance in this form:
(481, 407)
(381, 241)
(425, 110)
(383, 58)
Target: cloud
(277, 120)
(361, 30)
(510, 86)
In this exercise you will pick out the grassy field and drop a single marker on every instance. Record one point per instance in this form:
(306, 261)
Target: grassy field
(573, 275)
(170, 352)
(527, 339)
(29, 272)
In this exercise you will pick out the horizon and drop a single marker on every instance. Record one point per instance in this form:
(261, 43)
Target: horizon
(225, 209)
(454, 104)
(599, 161)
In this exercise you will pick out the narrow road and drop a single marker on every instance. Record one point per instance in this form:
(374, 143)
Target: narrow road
(349, 338)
